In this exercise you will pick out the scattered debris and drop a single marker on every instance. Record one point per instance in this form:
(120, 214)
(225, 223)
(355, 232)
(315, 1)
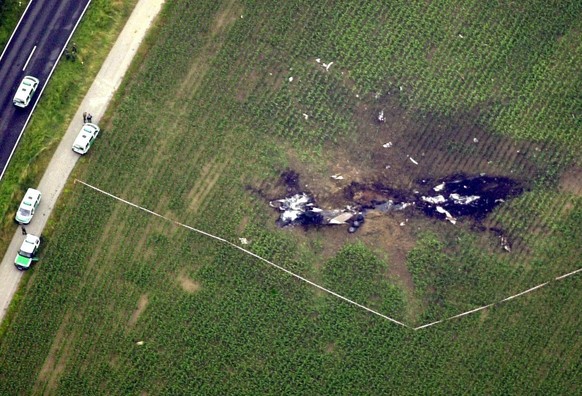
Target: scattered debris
(475, 140)
(381, 116)
(448, 216)
(244, 241)
(387, 145)
(342, 218)
(505, 243)
(140, 343)
(434, 200)
(449, 199)
(290, 79)
(306, 116)
(327, 65)
(318, 60)
(439, 187)
(413, 161)
(469, 196)
(461, 36)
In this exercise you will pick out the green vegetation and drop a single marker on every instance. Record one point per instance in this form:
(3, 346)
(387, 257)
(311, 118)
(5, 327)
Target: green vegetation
(10, 12)
(209, 117)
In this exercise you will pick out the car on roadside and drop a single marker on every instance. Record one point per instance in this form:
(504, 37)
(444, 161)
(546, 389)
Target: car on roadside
(25, 90)
(27, 253)
(28, 206)
(85, 138)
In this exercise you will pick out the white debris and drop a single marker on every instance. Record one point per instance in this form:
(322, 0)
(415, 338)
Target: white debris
(401, 88)
(387, 166)
(140, 343)
(413, 161)
(434, 200)
(244, 241)
(475, 140)
(290, 79)
(306, 116)
(463, 199)
(342, 218)
(461, 36)
(318, 60)
(387, 145)
(449, 217)
(241, 17)
(327, 65)
(505, 243)
(337, 176)
(293, 206)
(439, 187)
(381, 116)
(402, 224)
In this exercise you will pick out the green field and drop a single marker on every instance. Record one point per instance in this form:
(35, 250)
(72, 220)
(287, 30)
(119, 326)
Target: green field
(123, 302)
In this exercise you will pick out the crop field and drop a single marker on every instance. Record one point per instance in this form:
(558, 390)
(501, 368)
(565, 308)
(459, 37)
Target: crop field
(232, 97)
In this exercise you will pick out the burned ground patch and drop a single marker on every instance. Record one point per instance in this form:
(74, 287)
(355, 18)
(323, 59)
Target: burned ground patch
(397, 156)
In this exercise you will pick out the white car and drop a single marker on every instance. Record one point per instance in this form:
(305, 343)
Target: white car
(25, 91)
(85, 138)
(27, 253)
(27, 206)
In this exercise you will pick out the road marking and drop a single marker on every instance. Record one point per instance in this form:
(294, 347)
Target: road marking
(42, 90)
(29, 56)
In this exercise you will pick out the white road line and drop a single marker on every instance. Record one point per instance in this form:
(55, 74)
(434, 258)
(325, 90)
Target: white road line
(15, 30)
(42, 90)
(29, 56)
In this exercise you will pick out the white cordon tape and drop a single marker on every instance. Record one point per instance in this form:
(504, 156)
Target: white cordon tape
(321, 287)
(248, 252)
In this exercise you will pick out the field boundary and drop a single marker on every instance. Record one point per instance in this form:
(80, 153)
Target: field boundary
(177, 223)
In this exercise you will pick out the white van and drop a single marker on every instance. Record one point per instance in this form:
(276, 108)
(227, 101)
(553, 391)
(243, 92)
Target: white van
(25, 91)
(28, 206)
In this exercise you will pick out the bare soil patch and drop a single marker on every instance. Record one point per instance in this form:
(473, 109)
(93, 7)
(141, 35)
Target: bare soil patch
(571, 181)
(142, 303)
(187, 284)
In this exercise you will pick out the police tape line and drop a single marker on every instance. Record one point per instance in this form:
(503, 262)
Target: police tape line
(321, 287)
(249, 253)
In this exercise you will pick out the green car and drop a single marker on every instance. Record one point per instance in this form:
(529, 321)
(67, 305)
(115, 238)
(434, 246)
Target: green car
(26, 254)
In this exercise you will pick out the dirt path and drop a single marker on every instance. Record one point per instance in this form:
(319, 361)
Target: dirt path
(64, 160)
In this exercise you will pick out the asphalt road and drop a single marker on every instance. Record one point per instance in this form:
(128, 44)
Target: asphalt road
(34, 49)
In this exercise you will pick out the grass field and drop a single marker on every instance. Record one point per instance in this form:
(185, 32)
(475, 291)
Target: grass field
(214, 113)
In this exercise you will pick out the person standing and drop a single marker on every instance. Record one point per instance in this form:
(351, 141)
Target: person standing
(84, 117)
(23, 230)
(89, 117)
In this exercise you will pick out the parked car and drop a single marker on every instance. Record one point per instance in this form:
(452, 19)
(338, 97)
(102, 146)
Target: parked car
(85, 138)
(27, 206)
(25, 91)
(27, 253)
